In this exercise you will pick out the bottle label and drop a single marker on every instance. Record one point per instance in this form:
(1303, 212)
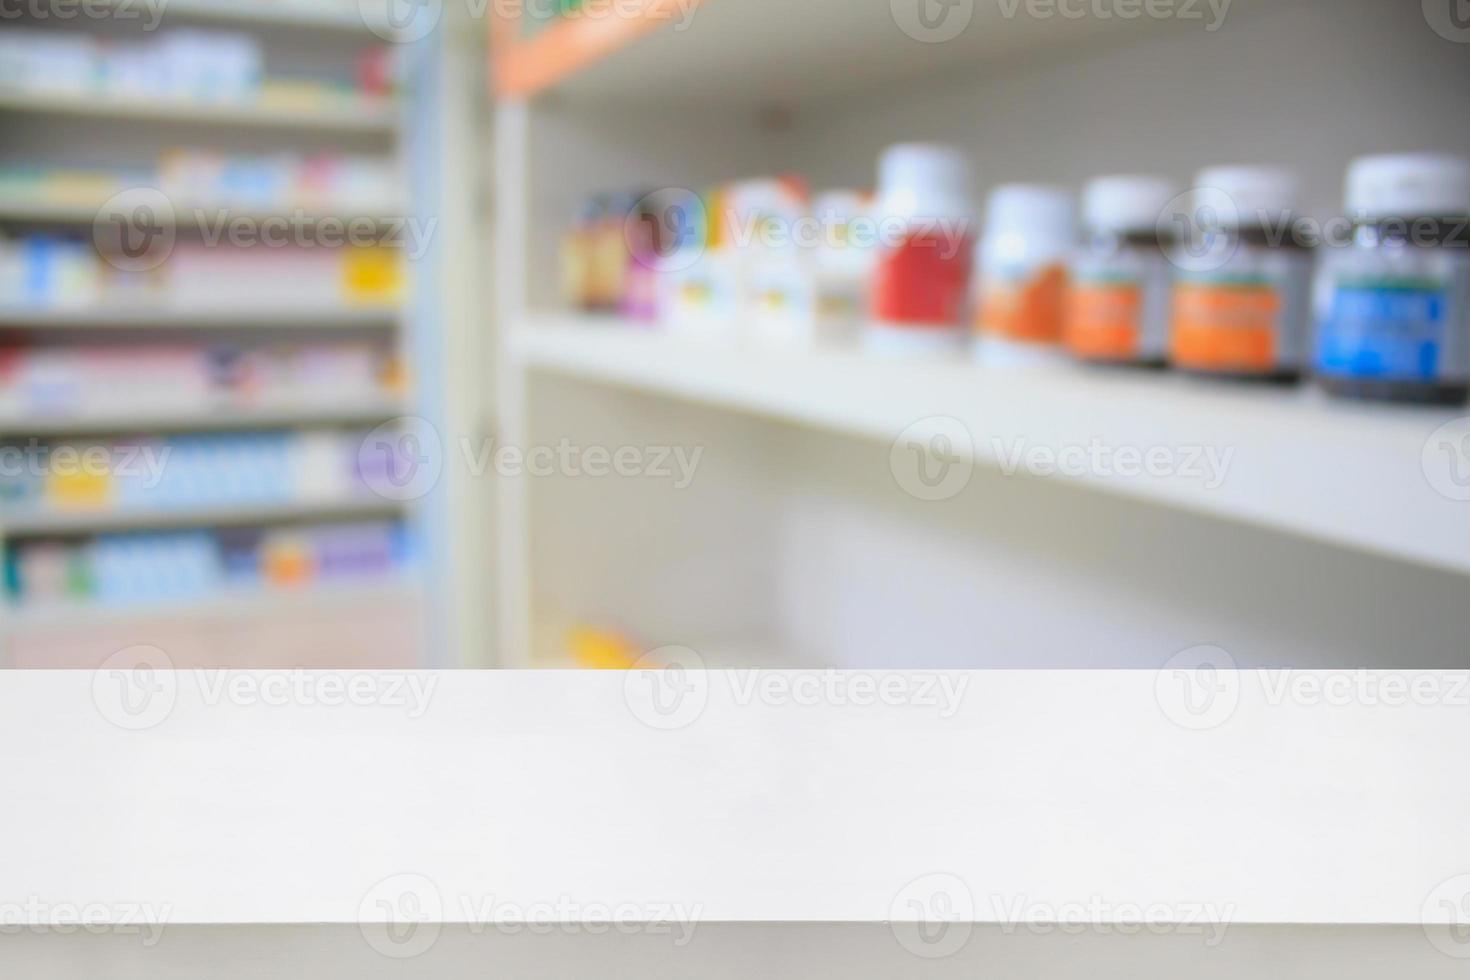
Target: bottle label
(1105, 318)
(1385, 329)
(924, 282)
(1030, 308)
(1227, 326)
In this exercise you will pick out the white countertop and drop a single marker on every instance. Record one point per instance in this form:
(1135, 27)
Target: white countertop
(521, 790)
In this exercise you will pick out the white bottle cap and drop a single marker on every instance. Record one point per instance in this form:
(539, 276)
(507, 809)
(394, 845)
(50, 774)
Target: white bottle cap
(924, 180)
(1127, 204)
(1035, 213)
(1248, 195)
(1409, 185)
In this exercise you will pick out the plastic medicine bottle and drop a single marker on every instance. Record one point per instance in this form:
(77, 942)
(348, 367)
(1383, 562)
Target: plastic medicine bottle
(1122, 278)
(1243, 293)
(921, 286)
(1394, 308)
(1030, 235)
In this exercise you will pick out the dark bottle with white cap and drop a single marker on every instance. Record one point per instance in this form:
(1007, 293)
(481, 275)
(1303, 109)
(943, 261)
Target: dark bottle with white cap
(1394, 307)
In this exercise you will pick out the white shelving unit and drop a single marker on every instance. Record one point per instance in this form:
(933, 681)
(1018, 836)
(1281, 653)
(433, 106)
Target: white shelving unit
(130, 128)
(1327, 543)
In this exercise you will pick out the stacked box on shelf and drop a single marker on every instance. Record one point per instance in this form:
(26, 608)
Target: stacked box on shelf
(194, 472)
(58, 381)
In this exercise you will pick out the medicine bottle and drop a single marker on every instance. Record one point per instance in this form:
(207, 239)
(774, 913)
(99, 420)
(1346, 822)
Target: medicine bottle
(1030, 235)
(1243, 292)
(1393, 306)
(921, 285)
(1122, 279)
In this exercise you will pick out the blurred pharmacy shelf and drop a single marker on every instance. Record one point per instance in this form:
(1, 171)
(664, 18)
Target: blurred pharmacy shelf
(202, 420)
(198, 318)
(85, 212)
(233, 606)
(1348, 475)
(798, 512)
(40, 523)
(327, 84)
(345, 114)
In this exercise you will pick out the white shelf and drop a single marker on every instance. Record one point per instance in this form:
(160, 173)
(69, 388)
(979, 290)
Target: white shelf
(202, 419)
(41, 523)
(755, 53)
(244, 605)
(124, 317)
(1344, 473)
(347, 115)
